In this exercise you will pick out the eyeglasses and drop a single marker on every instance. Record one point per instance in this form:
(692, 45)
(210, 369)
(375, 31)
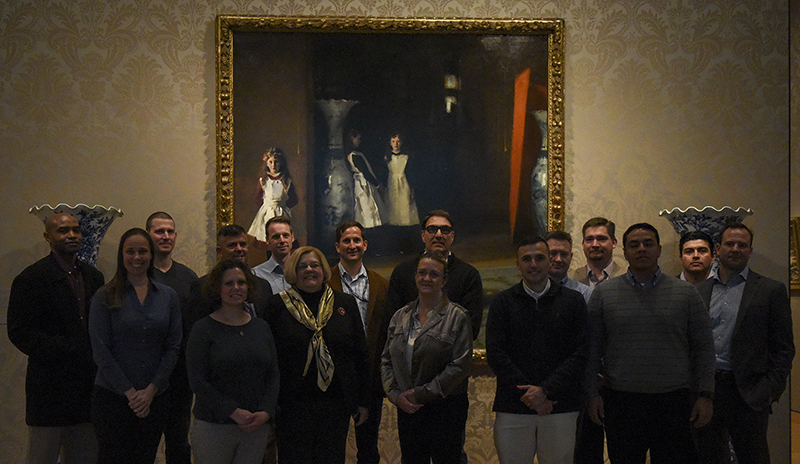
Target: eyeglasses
(422, 273)
(312, 265)
(433, 229)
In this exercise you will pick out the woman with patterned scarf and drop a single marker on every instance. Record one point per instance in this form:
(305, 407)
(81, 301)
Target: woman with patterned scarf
(322, 358)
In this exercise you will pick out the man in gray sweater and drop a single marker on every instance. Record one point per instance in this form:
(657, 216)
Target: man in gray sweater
(651, 339)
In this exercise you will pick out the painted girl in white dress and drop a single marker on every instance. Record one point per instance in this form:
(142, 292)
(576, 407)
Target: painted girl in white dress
(368, 204)
(278, 191)
(401, 209)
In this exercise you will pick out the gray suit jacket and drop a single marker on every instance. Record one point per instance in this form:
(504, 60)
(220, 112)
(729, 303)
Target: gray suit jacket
(762, 347)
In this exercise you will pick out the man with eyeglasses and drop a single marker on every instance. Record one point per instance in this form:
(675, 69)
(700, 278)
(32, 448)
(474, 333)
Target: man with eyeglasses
(464, 285)
(560, 244)
(599, 243)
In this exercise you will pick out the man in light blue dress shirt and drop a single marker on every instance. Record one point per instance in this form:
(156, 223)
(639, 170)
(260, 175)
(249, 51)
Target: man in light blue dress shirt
(752, 327)
(560, 244)
(279, 242)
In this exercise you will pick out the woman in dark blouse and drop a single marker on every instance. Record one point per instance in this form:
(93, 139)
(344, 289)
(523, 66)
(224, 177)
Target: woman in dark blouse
(322, 355)
(233, 371)
(135, 330)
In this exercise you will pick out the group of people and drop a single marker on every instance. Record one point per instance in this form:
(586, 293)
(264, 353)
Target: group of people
(280, 358)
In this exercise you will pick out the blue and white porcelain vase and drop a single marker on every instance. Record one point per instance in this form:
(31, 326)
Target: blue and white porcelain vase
(708, 219)
(94, 221)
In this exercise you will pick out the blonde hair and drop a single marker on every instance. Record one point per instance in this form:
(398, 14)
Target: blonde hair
(290, 270)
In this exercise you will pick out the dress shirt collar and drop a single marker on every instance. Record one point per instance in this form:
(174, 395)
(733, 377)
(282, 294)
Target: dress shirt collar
(532, 293)
(650, 284)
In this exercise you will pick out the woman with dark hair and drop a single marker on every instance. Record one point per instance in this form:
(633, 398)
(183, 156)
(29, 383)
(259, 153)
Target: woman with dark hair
(276, 192)
(322, 356)
(233, 372)
(425, 366)
(135, 330)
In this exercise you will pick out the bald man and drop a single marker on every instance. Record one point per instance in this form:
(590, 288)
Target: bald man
(48, 310)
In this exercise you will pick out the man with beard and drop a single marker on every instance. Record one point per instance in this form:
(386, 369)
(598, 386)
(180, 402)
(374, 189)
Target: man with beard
(48, 312)
(598, 247)
(463, 285)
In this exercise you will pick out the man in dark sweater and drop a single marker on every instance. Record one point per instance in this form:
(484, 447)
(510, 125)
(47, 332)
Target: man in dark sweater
(651, 335)
(180, 278)
(536, 345)
(463, 286)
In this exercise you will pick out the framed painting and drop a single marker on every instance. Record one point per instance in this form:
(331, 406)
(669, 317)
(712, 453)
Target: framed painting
(794, 253)
(382, 120)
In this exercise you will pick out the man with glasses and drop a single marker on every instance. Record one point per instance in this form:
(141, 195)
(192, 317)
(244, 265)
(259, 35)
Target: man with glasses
(463, 286)
(560, 244)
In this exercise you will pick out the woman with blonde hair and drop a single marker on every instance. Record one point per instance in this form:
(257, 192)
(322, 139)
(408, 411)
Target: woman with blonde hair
(322, 357)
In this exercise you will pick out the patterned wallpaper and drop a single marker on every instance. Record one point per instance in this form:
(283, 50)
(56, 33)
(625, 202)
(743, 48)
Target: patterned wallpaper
(668, 103)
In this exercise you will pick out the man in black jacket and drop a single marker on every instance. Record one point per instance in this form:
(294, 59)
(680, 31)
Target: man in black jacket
(463, 286)
(48, 310)
(536, 345)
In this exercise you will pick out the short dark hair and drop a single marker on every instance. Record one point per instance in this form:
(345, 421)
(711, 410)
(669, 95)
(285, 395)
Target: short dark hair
(213, 284)
(157, 215)
(642, 226)
(695, 235)
(560, 235)
(437, 213)
(532, 240)
(600, 222)
(344, 225)
(278, 220)
(231, 230)
(433, 256)
(735, 225)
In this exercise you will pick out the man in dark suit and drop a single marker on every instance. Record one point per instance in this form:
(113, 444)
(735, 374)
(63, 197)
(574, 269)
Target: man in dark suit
(369, 289)
(752, 324)
(48, 310)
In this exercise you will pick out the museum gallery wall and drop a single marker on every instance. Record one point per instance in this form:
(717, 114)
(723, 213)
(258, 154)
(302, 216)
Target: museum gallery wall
(667, 103)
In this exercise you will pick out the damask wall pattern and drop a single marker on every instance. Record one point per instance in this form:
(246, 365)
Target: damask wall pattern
(668, 103)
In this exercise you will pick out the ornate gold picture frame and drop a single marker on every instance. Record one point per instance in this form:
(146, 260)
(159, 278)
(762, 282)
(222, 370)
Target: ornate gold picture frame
(794, 253)
(480, 103)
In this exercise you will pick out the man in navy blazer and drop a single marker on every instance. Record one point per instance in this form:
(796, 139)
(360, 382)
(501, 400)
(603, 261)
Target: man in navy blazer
(752, 325)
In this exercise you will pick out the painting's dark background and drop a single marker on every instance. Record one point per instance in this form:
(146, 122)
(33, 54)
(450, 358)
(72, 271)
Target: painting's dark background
(399, 82)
